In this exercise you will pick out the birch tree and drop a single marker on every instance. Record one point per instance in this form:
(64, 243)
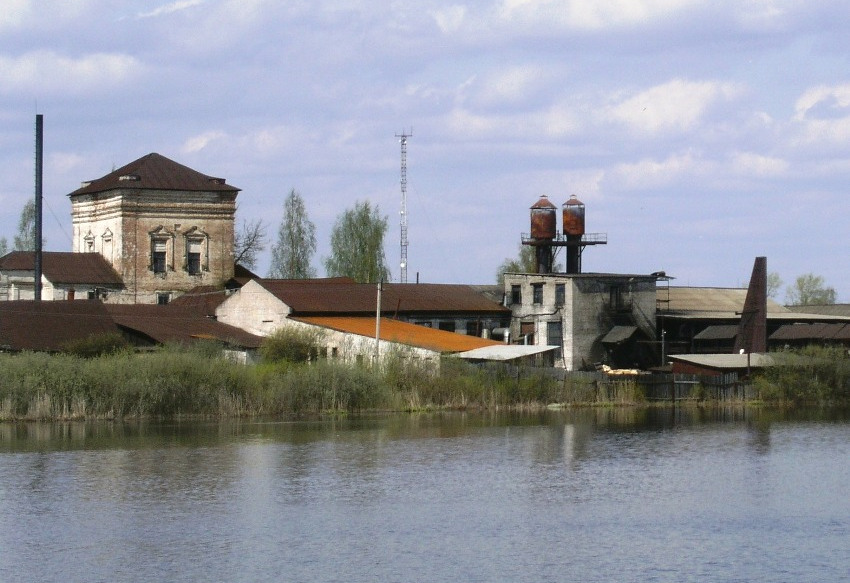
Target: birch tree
(296, 242)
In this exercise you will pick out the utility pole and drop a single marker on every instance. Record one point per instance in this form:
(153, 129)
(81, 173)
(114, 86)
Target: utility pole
(403, 140)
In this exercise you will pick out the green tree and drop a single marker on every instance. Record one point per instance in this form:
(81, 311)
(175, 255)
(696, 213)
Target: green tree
(357, 245)
(774, 283)
(250, 240)
(296, 241)
(522, 263)
(4, 246)
(25, 239)
(809, 289)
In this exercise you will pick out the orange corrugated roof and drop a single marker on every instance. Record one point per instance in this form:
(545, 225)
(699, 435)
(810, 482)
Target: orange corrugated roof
(401, 332)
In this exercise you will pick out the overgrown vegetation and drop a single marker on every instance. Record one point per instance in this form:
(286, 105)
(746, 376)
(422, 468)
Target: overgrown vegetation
(200, 381)
(811, 375)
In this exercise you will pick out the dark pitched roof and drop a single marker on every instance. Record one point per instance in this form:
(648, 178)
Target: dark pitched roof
(48, 326)
(329, 297)
(155, 172)
(201, 300)
(811, 332)
(824, 309)
(171, 323)
(61, 267)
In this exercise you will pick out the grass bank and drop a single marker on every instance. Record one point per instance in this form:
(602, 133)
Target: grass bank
(812, 375)
(175, 381)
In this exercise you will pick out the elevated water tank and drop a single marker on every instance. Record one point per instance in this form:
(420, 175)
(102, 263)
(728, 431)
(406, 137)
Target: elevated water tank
(573, 217)
(544, 219)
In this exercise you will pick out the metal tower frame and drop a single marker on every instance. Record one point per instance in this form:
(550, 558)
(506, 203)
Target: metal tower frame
(403, 263)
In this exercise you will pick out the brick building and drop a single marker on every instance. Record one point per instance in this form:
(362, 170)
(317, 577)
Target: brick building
(163, 227)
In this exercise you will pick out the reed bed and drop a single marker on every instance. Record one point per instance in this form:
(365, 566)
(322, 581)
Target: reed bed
(178, 381)
(200, 381)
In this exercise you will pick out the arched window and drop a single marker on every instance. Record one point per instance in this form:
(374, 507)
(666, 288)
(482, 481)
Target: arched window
(88, 243)
(161, 250)
(197, 251)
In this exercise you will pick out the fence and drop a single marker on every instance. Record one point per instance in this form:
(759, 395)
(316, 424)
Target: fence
(683, 387)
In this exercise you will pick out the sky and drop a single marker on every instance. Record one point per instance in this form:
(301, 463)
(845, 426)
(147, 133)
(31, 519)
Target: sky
(699, 134)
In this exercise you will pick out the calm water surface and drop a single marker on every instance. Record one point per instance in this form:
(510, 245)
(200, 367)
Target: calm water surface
(610, 495)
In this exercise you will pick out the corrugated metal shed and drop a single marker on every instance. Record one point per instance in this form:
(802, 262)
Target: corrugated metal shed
(725, 362)
(707, 302)
(808, 332)
(401, 333)
(841, 310)
(155, 172)
(720, 332)
(504, 352)
(306, 298)
(65, 267)
(619, 334)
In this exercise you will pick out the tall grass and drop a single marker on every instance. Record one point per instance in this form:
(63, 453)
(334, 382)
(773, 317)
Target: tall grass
(200, 381)
(812, 375)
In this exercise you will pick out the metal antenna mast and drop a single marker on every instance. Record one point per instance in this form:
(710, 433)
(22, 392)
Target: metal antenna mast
(403, 139)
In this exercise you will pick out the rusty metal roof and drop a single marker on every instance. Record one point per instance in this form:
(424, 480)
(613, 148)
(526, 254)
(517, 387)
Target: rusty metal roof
(307, 298)
(155, 172)
(202, 300)
(402, 333)
(172, 323)
(728, 302)
(48, 326)
(65, 267)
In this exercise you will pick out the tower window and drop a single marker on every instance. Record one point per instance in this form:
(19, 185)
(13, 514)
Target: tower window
(158, 256)
(193, 257)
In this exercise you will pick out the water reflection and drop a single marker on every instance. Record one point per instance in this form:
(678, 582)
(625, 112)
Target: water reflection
(593, 494)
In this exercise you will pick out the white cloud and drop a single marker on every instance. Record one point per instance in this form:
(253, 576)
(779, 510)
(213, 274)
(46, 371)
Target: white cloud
(35, 14)
(450, 18)
(822, 115)
(752, 164)
(833, 98)
(649, 173)
(14, 13)
(170, 8)
(677, 105)
(49, 72)
(64, 162)
(201, 141)
(590, 15)
(509, 85)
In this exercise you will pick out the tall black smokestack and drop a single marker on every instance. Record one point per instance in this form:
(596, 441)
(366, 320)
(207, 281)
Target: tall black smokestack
(39, 154)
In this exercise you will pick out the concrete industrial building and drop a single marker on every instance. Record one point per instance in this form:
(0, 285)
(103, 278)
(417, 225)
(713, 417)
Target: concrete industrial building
(593, 318)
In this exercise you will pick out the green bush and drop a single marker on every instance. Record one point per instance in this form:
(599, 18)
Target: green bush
(809, 375)
(291, 344)
(96, 345)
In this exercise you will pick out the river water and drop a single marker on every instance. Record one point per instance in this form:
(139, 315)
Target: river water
(595, 495)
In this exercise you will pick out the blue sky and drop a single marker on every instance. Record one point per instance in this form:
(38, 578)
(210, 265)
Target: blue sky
(699, 134)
